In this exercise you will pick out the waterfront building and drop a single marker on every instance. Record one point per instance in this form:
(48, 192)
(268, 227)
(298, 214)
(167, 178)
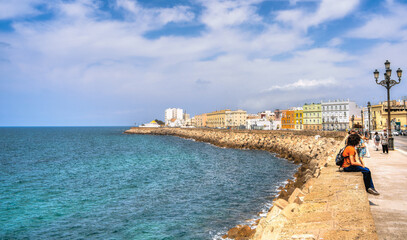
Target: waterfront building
(235, 119)
(287, 120)
(312, 116)
(216, 119)
(356, 123)
(277, 114)
(200, 120)
(275, 124)
(174, 113)
(336, 114)
(398, 115)
(175, 123)
(268, 114)
(298, 118)
(253, 116)
(259, 124)
(152, 124)
(190, 122)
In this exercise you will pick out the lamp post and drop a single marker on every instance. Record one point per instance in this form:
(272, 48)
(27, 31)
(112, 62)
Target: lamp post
(368, 114)
(352, 119)
(363, 123)
(388, 83)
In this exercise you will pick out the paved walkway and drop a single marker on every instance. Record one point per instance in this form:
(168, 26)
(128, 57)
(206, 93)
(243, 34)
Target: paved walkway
(389, 210)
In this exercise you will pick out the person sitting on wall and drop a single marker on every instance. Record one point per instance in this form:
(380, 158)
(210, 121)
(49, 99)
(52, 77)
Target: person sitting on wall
(351, 164)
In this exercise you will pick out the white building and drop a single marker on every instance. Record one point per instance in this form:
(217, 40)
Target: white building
(258, 124)
(336, 114)
(174, 113)
(175, 123)
(152, 124)
(276, 124)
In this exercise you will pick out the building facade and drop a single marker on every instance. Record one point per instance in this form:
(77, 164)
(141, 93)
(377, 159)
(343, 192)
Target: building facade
(298, 118)
(312, 116)
(200, 120)
(287, 120)
(337, 114)
(174, 113)
(398, 116)
(235, 119)
(216, 119)
(268, 114)
(258, 124)
(275, 124)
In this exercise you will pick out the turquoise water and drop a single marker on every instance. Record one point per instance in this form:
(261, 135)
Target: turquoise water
(97, 183)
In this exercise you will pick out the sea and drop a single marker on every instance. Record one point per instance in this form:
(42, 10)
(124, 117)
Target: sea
(98, 183)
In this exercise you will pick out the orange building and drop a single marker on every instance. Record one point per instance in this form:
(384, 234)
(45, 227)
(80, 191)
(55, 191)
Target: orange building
(288, 119)
(200, 120)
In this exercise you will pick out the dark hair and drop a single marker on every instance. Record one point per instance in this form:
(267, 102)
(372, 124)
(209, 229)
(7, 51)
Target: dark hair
(376, 133)
(353, 140)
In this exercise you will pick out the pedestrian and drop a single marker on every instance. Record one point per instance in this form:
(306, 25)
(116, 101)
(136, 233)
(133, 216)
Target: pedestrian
(361, 148)
(351, 164)
(367, 147)
(376, 139)
(385, 142)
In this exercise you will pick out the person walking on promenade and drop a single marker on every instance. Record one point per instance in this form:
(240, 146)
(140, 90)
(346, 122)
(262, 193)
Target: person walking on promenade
(350, 163)
(376, 139)
(385, 142)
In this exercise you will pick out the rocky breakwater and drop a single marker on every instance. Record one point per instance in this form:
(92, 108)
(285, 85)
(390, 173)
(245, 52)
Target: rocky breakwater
(308, 207)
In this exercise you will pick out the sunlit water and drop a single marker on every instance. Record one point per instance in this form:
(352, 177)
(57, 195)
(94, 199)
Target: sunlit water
(97, 183)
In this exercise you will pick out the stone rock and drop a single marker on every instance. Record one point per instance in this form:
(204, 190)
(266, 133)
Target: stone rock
(280, 203)
(240, 232)
(303, 237)
(296, 196)
(290, 211)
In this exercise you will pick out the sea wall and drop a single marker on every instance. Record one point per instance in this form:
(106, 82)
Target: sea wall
(321, 203)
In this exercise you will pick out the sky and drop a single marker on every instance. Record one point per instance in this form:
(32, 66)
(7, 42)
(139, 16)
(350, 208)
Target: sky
(123, 62)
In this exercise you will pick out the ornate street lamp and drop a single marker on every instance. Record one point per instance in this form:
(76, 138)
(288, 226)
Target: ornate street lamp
(388, 83)
(368, 113)
(363, 123)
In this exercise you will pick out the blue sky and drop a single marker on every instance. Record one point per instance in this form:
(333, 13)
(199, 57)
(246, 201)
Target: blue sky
(117, 62)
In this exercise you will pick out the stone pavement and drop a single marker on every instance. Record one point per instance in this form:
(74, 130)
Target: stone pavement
(389, 210)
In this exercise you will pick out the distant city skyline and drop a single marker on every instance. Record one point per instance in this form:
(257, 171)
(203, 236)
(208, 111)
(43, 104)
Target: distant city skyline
(120, 62)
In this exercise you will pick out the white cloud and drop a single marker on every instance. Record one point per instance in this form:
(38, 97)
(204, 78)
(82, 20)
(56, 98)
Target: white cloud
(334, 42)
(9, 9)
(389, 26)
(155, 17)
(304, 84)
(219, 14)
(327, 10)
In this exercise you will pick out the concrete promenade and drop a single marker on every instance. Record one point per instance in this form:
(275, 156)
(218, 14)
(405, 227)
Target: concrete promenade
(389, 210)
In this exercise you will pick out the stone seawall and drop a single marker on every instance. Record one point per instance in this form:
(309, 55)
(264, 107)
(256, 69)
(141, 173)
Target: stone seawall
(318, 189)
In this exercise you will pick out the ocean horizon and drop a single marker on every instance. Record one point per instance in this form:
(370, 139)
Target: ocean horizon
(96, 182)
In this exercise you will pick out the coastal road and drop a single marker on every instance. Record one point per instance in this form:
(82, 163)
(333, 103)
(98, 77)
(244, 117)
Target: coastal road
(400, 142)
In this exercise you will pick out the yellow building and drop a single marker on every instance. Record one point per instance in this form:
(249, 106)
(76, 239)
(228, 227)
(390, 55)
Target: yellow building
(298, 113)
(398, 115)
(235, 119)
(216, 119)
(312, 116)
